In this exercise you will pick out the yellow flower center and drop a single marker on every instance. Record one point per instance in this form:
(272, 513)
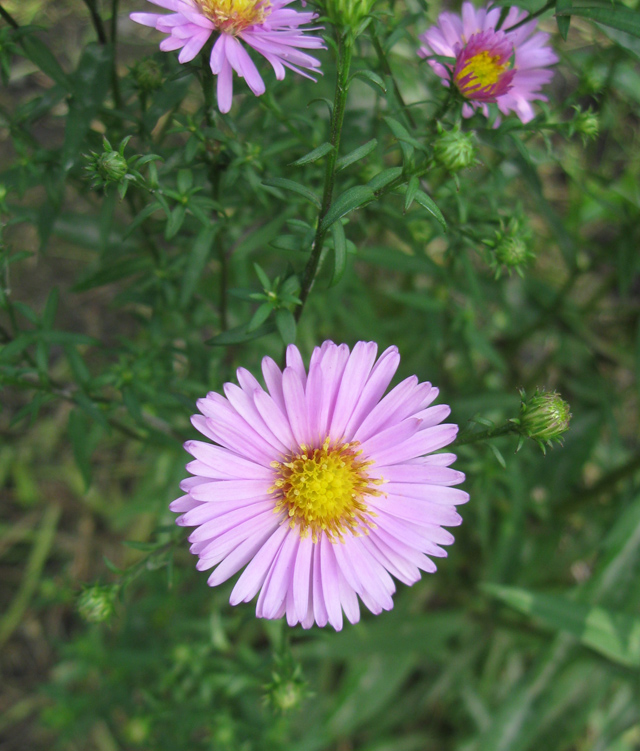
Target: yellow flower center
(233, 16)
(485, 70)
(324, 490)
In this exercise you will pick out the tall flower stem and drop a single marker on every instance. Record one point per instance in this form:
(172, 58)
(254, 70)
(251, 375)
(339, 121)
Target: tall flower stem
(9, 18)
(207, 81)
(97, 21)
(486, 435)
(345, 50)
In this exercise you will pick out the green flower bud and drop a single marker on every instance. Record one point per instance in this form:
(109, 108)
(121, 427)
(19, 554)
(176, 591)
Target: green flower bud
(510, 247)
(454, 149)
(544, 417)
(586, 124)
(111, 166)
(348, 12)
(147, 75)
(96, 603)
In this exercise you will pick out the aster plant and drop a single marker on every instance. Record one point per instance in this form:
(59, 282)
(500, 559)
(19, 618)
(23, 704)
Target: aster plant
(431, 193)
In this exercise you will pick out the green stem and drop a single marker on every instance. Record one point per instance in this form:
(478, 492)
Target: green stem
(207, 81)
(345, 49)
(486, 435)
(384, 64)
(9, 18)
(97, 21)
(113, 29)
(531, 16)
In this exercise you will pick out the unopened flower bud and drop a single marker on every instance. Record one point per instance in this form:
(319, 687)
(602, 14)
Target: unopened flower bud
(454, 149)
(147, 75)
(544, 417)
(348, 12)
(112, 166)
(510, 247)
(586, 124)
(96, 603)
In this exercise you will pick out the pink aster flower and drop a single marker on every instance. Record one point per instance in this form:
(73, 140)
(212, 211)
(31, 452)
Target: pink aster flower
(320, 485)
(268, 26)
(506, 67)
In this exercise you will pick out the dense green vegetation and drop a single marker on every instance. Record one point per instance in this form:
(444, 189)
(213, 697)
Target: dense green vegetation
(119, 308)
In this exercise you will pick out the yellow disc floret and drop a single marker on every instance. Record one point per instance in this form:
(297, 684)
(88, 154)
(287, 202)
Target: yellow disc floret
(325, 490)
(485, 70)
(233, 16)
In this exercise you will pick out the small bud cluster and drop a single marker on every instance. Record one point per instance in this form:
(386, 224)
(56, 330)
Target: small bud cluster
(510, 247)
(544, 418)
(453, 149)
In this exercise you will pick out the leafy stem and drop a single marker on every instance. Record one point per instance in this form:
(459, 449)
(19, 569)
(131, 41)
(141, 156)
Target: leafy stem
(345, 50)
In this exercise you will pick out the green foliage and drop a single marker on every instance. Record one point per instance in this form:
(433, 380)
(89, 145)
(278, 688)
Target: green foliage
(149, 246)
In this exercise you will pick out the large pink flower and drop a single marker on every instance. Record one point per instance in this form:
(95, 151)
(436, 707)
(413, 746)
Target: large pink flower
(506, 67)
(320, 486)
(269, 26)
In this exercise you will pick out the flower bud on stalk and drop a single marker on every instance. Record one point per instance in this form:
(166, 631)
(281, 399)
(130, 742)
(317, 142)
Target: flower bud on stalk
(96, 603)
(147, 75)
(544, 418)
(111, 166)
(348, 12)
(454, 150)
(586, 124)
(510, 247)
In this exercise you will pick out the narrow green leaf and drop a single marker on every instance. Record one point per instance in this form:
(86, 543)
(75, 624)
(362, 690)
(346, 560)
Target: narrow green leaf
(371, 78)
(264, 279)
(241, 334)
(286, 324)
(78, 430)
(382, 179)
(428, 203)
(354, 156)
(176, 220)
(294, 187)
(339, 253)
(412, 189)
(314, 155)
(616, 16)
(39, 54)
(562, 20)
(614, 634)
(198, 258)
(350, 200)
(260, 316)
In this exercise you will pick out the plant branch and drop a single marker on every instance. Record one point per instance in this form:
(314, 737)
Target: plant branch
(486, 435)
(9, 18)
(547, 6)
(97, 21)
(345, 49)
(384, 64)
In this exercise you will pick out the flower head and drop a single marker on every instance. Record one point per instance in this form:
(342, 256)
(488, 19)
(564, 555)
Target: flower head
(268, 26)
(544, 417)
(320, 486)
(502, 66)
(454, 149)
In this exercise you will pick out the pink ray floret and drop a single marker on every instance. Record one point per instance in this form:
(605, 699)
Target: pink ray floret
(505, 67)
(321, 487)
(278, 33)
